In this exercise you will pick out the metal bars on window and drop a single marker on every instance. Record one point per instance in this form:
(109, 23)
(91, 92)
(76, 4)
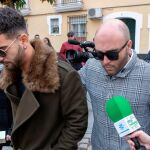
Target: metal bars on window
(78, 24)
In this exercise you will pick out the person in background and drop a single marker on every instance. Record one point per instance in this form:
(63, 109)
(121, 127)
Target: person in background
(47, 41)
(36, 36)
(5, 118)
(71, 50)
(143, 138)
(117, 72)
(46, 94)
(67, 46)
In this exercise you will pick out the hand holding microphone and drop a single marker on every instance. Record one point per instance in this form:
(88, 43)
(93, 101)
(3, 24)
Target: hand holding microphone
(143, 138)
(120, 112)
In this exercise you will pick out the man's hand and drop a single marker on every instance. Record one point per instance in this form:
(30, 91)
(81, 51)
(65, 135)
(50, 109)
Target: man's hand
(143, 138)
(8, 138)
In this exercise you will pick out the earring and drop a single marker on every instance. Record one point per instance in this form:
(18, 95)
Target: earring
(24, 47)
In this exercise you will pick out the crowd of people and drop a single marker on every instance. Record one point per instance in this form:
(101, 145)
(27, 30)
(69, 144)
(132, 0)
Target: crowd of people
(43, 102)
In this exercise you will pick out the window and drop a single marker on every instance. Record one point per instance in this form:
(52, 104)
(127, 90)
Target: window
(54, 23)
(78, 24)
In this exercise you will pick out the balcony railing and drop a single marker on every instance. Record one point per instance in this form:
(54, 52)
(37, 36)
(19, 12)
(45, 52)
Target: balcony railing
(68, 5)
(26, 9)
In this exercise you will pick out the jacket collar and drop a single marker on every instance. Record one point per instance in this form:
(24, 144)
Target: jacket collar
(28, 105)
(43, 73)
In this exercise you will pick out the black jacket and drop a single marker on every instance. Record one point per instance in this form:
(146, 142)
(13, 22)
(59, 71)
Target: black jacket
(5, 113)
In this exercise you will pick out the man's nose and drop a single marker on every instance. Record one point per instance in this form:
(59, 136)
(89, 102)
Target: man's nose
(106, 60)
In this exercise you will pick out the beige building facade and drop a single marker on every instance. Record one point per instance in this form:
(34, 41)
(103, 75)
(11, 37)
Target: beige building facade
(84, 16)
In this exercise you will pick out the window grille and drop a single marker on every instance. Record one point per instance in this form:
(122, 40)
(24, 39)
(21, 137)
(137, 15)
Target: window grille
(54, 26)
(78, 24)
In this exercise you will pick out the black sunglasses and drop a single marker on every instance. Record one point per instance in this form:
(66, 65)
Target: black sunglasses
(111, 55)
(3, 52)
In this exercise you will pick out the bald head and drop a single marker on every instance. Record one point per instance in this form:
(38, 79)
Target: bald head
(111, 31)
(114, 26)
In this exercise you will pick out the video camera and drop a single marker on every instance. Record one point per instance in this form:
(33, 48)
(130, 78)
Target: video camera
(74, 56)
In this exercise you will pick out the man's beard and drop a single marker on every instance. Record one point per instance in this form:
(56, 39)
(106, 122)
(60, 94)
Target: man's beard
(17, 62)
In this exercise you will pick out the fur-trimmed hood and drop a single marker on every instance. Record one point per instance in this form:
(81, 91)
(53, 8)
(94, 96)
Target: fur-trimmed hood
(43, 74)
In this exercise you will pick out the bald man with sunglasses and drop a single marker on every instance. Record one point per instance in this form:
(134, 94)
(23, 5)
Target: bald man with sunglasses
(117, 72)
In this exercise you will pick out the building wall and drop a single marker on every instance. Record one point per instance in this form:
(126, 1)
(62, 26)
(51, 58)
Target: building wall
(37, 20)
(114, 3)
(38, 24)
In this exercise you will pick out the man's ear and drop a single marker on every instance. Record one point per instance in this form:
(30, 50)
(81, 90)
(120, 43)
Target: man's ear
(23, 38)
(129, 45)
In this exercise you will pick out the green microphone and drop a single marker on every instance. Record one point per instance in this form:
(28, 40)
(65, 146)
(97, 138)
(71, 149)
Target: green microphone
(120, 112)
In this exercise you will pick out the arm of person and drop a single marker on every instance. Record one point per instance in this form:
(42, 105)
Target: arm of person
(143, 138)
(74, 111)
(63, 52)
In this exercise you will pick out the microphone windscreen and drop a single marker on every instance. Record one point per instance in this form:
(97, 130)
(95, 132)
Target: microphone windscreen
(117, 108)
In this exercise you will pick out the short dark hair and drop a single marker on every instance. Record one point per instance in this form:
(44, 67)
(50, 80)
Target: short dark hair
(70, 34)
(11, 22)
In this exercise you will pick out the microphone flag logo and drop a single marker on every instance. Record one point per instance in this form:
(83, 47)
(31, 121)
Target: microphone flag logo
(127, 125)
